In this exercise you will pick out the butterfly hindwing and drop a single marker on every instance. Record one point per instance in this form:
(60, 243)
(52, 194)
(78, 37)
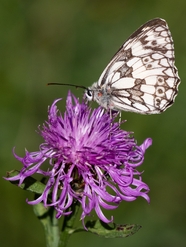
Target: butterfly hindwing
(141, 77)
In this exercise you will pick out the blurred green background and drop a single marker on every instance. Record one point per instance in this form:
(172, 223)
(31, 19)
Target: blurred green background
(71, 42)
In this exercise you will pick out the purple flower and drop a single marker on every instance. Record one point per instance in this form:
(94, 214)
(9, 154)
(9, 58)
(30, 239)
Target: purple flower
(91, 160)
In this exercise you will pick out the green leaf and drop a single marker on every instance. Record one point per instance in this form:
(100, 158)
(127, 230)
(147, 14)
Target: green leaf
(112, 231)
(30, 183)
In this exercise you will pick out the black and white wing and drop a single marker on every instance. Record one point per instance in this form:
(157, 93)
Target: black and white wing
(142, 76)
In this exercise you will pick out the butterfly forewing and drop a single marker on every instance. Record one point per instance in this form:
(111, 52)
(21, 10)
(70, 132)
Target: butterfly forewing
(141, 76)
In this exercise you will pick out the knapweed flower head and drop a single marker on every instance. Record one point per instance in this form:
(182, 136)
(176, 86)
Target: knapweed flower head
(91, 160)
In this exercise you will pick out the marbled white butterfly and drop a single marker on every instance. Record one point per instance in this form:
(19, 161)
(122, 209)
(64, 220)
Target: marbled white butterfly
(141, 77)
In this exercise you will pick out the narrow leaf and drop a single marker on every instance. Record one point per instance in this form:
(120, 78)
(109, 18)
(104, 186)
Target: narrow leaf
(114, 231)
(30, 183)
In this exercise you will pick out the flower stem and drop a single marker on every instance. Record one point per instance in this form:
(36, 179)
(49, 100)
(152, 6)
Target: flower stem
(53, 235)
(50, 224)
(68, 224)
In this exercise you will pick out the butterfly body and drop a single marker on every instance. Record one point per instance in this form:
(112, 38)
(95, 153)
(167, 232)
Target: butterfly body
(141, 77)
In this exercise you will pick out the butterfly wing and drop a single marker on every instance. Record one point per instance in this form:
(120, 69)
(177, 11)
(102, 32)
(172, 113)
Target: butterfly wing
(142, 77)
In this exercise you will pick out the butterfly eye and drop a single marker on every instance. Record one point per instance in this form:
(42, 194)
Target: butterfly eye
(88, 94)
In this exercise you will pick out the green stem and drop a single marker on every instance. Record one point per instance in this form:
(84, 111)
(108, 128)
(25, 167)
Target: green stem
(68, 225)
(52, 231)
(50, 224)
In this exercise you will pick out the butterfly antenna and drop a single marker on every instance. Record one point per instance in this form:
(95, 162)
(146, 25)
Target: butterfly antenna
(65, 84)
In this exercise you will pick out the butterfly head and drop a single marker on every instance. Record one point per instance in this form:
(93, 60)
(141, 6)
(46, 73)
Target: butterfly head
(91, 91)
(89, 94)
(100, 94)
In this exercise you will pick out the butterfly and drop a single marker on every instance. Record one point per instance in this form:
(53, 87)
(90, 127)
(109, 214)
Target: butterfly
(141, 77)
